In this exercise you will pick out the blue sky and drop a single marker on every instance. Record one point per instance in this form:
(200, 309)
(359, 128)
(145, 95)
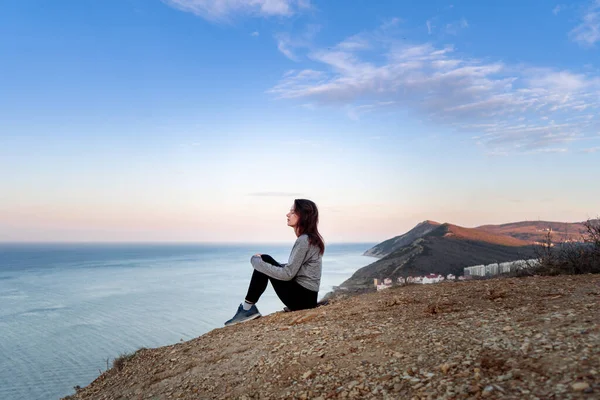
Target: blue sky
(198, 120)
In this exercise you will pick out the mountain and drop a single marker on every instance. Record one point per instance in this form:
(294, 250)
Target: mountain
(444, 249)
(536, 231)
(386, 247)
(528, 231)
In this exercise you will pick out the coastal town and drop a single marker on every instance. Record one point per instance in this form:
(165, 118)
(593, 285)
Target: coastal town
(468, 273)
(429, 278)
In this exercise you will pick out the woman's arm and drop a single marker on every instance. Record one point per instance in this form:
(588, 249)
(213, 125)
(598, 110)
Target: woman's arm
(270, 260)
(288, 271)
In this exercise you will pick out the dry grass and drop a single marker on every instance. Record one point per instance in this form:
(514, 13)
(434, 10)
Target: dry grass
(124, 358)
(570, 258)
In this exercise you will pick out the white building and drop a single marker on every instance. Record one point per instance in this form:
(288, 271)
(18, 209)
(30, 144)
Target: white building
(433, 278)
(387, 283)
(414, 279)
(499, 268)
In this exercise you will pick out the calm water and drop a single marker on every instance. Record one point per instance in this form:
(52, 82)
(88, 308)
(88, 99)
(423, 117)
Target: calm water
(66, 308)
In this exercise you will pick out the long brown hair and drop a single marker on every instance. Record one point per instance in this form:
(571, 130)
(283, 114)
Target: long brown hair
(308, 219)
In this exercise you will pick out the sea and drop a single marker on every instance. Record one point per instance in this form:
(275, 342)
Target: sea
(67, 310)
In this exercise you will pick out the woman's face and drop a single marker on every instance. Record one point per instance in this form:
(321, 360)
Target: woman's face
(292, 218)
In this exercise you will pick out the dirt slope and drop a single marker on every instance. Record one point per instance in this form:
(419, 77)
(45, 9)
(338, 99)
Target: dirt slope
(518, 338)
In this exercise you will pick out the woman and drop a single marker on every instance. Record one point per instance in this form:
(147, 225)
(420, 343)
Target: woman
(297, 282)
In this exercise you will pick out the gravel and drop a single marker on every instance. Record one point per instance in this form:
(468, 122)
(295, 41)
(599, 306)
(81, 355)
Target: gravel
(509, 338)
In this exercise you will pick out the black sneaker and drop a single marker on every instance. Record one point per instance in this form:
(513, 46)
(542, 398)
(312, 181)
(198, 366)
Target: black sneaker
(242, 315)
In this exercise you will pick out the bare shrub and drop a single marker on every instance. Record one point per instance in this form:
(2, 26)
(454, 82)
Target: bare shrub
(122, 359)
(568, 257)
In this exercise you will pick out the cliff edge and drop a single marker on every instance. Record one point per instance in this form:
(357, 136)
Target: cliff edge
(510, 338)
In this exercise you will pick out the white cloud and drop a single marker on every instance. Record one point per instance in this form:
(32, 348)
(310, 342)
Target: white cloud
(587, 33)
(591, 150)
(558, 80)
(429, 26)
(508, 108)
(286, 44)
(552, 150)
(356, 42)
(455, 27)
(255, 34)
(355, 112)
(390, 23)
(557, 9)
(223, 10)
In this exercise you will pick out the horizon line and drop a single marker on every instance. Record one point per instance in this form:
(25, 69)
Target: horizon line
(166, 242)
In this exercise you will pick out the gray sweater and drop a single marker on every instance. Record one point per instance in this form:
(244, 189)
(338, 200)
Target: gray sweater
(304, 265)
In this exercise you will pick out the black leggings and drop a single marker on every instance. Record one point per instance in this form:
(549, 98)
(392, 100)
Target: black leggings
(291, 293)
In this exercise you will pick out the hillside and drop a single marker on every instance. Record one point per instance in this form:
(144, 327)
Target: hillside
(386, 247)
(443, 250)
(476, 235)
(527, 338)
(536, 231)
(527, 231)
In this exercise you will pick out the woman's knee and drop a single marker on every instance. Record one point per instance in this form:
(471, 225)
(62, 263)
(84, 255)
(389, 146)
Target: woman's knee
(268, 259)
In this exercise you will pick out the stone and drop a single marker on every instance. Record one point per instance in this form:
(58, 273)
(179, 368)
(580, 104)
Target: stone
(352, 384)
(580, 386)
(444, 368)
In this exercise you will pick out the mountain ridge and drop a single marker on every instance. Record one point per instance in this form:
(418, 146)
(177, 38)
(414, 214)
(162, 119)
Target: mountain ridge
(431, 247)
(536, 231)
(385, 247)
(528, 231)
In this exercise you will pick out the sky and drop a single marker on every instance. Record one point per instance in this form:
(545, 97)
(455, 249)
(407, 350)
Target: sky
(203, 120)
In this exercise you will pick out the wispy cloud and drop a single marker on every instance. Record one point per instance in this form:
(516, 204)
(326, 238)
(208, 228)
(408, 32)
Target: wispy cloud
(509, 108)
(549, 150)
(591, 150)
(356, 42)
(255, 34)
(275, 194)
(287, 44)
(557, 9)
(429, 26)
(355, 112)
(223, 10)
(587, 33)
(455, 27)
(390, 23)
(284, 45)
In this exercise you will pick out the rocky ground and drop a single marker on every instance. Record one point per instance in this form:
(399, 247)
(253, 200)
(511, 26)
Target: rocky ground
(513, 338)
